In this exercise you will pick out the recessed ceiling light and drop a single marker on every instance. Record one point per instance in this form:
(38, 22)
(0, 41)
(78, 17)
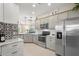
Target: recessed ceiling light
(33, 12)
(34, 5)
(49, 4)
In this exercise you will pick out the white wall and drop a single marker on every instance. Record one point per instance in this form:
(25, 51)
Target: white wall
(1, 12)
(11, 13)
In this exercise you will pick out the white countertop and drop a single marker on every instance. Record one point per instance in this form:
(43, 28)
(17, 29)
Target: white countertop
(10, 41)
(51, 35)
(29, 34)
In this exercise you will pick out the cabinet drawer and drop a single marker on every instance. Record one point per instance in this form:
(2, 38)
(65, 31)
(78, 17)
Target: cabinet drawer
(9, 49)
(12, 46)
(20, 48)
(14, 53)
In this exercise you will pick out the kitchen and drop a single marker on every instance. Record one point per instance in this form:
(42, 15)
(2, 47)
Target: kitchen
(38, 29)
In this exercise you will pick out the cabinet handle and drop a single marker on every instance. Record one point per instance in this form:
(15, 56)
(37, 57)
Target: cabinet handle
(14, 45)
(14, 52)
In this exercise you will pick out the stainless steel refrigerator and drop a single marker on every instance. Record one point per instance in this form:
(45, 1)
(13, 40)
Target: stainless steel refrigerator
(67, 37)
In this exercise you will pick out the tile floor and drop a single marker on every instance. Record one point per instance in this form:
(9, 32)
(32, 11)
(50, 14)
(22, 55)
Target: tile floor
(31, 49)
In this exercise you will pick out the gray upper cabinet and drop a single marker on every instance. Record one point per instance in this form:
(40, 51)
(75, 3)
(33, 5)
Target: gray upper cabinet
(11, 13)
(72, 14)
(62, 16)
(1, 12)
(37, 25)
(52, 21)
(44, 23)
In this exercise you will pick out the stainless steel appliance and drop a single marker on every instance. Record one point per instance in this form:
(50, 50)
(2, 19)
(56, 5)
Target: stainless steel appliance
(42, 38)
(2, 34)
(59, 38)
(67, 37)
(2, 39)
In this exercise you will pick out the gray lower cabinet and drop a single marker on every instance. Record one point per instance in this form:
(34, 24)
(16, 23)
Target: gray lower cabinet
(0, 51)
(50, 42)
(12, 49)
(35, 39)
(21, 36)
(28, 38)
(20, 48)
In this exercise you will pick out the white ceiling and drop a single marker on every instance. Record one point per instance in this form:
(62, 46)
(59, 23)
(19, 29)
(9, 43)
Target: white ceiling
(41, 8)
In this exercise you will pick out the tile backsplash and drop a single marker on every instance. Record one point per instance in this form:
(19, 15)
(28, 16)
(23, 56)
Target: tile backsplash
(10, 30)
(2, 28)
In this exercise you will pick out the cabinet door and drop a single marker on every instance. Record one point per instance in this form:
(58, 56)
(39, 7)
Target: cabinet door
(72, 14)
(35, 39)
(20, 48)
(21, 36)
(26, 38)
(30, 38)
(62, 16)
(52, 21)
(1, 12)
(10, 49)
(0, 51)
(37, 24)
(6, 51)
(52, 43)
(48, 42)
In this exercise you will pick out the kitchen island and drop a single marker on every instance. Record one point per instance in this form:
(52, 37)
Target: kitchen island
(11, 47)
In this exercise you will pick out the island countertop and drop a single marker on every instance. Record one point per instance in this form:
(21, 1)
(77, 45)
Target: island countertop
(10, 41)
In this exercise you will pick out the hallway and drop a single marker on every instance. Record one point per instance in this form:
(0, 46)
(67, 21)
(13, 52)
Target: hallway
(31, 49)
